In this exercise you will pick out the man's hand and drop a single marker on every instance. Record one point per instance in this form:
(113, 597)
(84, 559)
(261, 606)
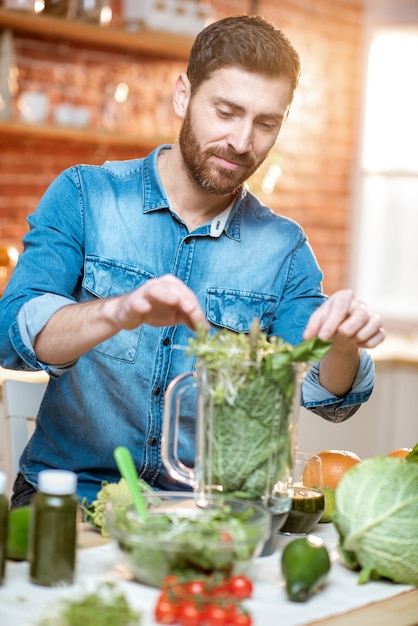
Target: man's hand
(164, 301)
(347, 322)
(77, 328)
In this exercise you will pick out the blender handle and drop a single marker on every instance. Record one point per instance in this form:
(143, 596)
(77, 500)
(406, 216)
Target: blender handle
(171, 415)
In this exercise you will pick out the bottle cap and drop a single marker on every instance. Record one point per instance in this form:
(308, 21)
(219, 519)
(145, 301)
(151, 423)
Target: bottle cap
(3, 481)
(57, 482)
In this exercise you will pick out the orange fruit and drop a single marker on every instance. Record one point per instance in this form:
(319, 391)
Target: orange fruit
(334, 464)
(400, 452)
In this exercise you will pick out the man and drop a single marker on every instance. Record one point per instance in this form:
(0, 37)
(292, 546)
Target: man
(123, 260)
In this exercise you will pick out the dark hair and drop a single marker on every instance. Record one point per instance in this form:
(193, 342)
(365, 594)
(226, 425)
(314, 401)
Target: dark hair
(246, 41)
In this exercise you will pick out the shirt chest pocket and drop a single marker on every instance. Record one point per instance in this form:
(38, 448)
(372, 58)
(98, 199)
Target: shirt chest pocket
(106, 279)
(236, 310)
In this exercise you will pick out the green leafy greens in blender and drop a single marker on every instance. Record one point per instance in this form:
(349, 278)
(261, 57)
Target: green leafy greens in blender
(251, 383)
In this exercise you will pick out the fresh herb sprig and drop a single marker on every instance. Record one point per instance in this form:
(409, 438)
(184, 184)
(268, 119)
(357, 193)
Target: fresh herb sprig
(237, 358)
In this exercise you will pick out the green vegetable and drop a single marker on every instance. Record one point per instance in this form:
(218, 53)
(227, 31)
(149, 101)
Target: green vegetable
(251, 383)
(106, 607)
(94, 512)
(377, 519)
(329, 509)
(305, 565)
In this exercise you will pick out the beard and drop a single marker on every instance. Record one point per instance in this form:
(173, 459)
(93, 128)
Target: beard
(213, 179)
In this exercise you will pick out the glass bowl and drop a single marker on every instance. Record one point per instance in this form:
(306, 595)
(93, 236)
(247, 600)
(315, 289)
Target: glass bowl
(186, 535)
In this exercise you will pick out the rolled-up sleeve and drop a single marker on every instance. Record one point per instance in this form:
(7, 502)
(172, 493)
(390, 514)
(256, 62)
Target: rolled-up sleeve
(333, 408)
(31, 319)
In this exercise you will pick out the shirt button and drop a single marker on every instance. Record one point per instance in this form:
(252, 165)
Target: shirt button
(157, 391)
(166, 341)
(187, 241)
(153, 442)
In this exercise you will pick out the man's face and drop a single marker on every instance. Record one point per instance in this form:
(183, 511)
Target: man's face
(230, 125)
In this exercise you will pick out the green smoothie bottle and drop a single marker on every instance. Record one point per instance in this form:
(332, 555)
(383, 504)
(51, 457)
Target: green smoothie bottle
(4, 519)
(52, 546)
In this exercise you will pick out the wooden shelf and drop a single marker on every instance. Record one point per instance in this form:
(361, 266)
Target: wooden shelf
(160, 44)
(80, 135)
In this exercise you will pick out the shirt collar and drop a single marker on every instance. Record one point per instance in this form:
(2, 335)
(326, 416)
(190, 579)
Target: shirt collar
(218, 223)
(155, 197)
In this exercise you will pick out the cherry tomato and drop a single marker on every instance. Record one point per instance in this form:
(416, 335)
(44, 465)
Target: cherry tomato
(189, 614)
(195, 588)
(165, 612)
(216, 615)
(219, 593)
(241, 619)
(219, 589)
(173, 589)
(232, 609)
(170, 580)
(241, 587)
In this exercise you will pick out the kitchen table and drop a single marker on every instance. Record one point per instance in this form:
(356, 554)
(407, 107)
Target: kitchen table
(342, 602)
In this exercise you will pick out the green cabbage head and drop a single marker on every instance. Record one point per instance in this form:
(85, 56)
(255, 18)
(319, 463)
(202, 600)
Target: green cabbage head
(377, 519)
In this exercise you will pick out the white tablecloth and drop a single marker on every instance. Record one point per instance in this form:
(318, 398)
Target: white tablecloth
(23, 604)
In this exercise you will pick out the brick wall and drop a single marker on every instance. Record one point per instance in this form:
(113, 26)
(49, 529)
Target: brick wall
(315, 151)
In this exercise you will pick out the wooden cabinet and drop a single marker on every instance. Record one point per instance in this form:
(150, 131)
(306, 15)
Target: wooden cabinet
(158, 44)
(80, 135)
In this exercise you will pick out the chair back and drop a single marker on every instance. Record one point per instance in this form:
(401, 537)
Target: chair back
(21, 399)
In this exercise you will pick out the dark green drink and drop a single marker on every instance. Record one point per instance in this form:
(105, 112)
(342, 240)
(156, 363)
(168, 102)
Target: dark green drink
(53, 529)
(307, 508)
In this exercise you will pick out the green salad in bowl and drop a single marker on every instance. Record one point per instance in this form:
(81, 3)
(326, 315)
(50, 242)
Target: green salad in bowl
(186, 535)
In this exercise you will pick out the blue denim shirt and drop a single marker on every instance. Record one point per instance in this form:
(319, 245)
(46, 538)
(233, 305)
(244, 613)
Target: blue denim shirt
(102, 231)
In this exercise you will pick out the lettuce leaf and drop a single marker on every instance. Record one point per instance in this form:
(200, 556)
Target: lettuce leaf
(377, 519)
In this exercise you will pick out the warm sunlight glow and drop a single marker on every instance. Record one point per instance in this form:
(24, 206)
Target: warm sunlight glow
(13, 253)
(391, 122)
(121, 92)
(106, 15)
(386, 251)
(39, 6)
(269, 181)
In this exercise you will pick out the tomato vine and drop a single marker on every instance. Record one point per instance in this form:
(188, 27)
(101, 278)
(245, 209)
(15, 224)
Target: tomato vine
(209, 601)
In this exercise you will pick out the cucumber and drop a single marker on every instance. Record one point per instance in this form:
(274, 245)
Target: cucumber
(305, 564)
